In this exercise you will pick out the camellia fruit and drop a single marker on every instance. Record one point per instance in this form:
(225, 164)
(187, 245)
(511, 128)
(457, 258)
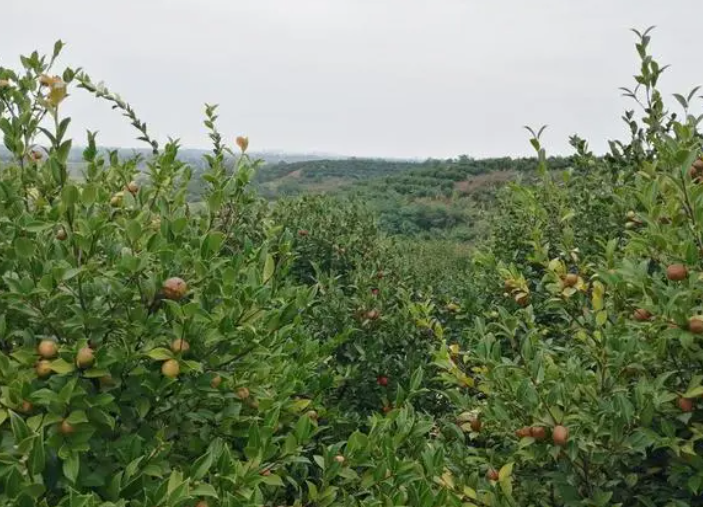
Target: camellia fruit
(85, 357)
(571, 279)
(695, 325)
(685, 404)
(216, 381)
(339, 459)
(641, 315)
(180, 346)
(476, 425)
(48, 349)
(61, 234)
(132, 187)
(373, 314)
(525, 431)
(174, 288)
(26, 407)
(171, 368)
(116, 200)
(243, 393)
(560, 435)
(43, 368)
(201, 503)
(243, 143)
(66, 428)
(382, 380)
(302, 233)
(676, 272)
(312, 414)
(539, 433)
(492, 474)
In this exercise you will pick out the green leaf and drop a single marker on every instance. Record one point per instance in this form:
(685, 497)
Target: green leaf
(24, 247)
(272, 480)
(20, 431)
(62, 367)
(71, 466)
(201, 466)
(269, 268)
(37, 457)
(69, 195)
(134, 230)
(77, 417)
(204, 489)
(160, 354)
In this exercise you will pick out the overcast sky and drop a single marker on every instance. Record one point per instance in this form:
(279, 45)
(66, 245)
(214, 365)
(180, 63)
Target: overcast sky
(397, 78)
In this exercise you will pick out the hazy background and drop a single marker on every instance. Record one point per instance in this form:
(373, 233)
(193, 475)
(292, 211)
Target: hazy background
(396, 78)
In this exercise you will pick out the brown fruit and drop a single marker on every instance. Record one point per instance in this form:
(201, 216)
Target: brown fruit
(216, 381)
(492, 474)
(132, 187)
(382, 380)
(339, 459)
(85, 357)
(243, 143)
(61, 234)
(171, 368)
(676, 272)
(695, 325)
(539, 433)
(476, 425)
(26, 407)
(571, 279)
(386, 408)
(522, 299)
(48, 349)
(685, 404)
(43, 368)
(179, 346)
(302, 233)
(106, 381)
(243, 393)
(201, 503)
(560, 435)
(373, 314)
(525, 431)
(174, 288)
(641, 315)
(66, 428)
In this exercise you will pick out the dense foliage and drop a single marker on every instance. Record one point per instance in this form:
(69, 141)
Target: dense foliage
(156, 351)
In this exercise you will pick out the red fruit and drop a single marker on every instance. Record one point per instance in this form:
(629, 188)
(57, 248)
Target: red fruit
(676, 272)
(685, 404)
(492, 474)
(641, 315)
(387, 408)
(66, 428)
(476, 425)
(174, 288)
(695, 325)
(374, 292)
(525, 431)
(560, 435)
(382, 381)
(539, 433)
(571, 279)
(26, 407)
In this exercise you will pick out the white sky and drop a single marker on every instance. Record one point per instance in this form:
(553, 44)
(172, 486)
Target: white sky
(397, 78)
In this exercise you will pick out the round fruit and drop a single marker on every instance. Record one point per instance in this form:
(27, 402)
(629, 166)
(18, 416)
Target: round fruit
(116, 200)
(201, 503)
(525, 431)
(216, 381)
(174, 288)
(312, 415)
(386, 409)
(171, 368)
(560, 435)
(61, 234)
(685, 404)
(339, 459)
(265, 472)
(374, 292)
(302, 233)
(571, 279)
(373, 314)
(243, 393)
(85, 357)
(695, 325)
(539, 432)
(43, 368)
(26, 407)
(476, 424)
(180, 346)
(132, 187)
(522, 299)
(253, 403)
(676, 272)
(382, 380)
(492, 474)
(48, 349)
(66, 428)
(106, 381)
(641, 315)
(631, 215)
